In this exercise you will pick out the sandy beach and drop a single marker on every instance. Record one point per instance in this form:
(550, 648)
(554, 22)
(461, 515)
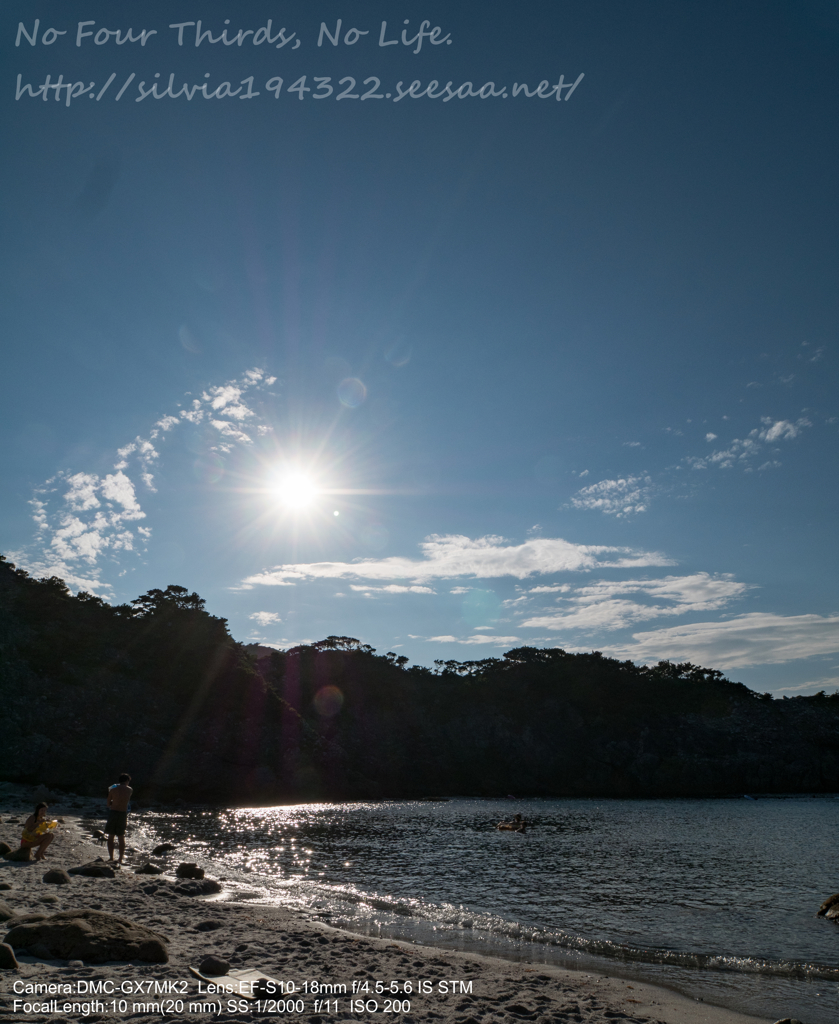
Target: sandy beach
(336, 975)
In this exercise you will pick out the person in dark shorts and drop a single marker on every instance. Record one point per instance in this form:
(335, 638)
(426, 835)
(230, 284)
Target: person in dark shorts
(119, 797)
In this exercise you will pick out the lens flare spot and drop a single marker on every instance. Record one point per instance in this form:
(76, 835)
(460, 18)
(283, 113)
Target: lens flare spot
(398, 353)
(209, 468)
(351, 392)
(328, 701)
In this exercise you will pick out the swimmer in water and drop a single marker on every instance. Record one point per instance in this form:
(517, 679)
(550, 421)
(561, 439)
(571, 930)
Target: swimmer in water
(518, 824)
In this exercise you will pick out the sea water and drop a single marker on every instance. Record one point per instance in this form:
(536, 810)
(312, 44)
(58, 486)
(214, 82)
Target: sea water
(713, 898)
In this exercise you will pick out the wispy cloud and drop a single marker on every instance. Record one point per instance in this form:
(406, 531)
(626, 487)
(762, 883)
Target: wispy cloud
(757, 638)
(453, 556)
(623, 497)
(745, 451)
(814, 685)
(603, 605)
(391, 588)
(81, 518)
(472, 641)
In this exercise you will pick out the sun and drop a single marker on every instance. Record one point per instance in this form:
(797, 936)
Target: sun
(297, 490)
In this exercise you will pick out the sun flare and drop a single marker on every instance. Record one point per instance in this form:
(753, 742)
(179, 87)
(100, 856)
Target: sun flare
(297, 490)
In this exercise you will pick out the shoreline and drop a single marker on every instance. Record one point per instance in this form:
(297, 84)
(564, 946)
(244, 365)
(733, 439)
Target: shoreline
(455, 987)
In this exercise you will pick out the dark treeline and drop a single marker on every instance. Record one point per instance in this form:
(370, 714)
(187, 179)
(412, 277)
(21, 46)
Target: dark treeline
(159, 688)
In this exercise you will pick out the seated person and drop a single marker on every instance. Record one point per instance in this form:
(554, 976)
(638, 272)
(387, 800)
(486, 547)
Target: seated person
(37, 832)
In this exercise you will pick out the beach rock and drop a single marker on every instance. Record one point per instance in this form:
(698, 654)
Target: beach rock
(89, 935)
(41, 793)
(149, 869)
(97, 833)
(209, 926)
(20, 855)
(7, 958)
(831, 901)
(204, 887)
(4, 886)
(788, 1020)
(4, 849)
(832, 914)
(189, 871)
(94, 869)
(5, 911)
(213, 965)
(158, 851)
(56, 876)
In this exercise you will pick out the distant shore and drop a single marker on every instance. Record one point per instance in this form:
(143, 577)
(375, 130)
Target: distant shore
(289, 947)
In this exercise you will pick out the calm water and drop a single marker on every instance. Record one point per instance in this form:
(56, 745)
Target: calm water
(713, 898)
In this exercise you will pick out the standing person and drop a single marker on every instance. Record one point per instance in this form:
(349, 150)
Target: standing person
(119, 797)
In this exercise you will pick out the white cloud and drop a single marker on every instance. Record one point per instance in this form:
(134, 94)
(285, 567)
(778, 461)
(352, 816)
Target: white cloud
(81, 492)
(602, 605)
(757, 638)
(447, 557)
(781, 428)
(743, 451)
(265, 618)
(392, 588)
(623, 497)
(71, 524)
(470, 641)
(710, 437)
(497, 641)
(117, 487)
(229, 429)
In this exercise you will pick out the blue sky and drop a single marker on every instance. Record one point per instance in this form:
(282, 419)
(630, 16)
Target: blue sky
(452, 372)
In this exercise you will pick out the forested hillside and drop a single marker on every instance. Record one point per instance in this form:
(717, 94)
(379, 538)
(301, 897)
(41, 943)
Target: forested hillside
(160, 689)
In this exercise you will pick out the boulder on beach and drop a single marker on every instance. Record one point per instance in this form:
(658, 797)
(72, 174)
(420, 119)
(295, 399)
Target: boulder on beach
(57, 876)
(203, 887)
(189, 871)
(5, 849)
(209, 925)
(94, 869)
(158, 851)
(89, 935)
(7, 958)
(6, 911)
(4, 886)
(213, 965)
(148, 869)
(831, 901)
(20, 855)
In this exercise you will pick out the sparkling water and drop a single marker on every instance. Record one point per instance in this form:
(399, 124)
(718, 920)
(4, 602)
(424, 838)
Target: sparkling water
(713, 898)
